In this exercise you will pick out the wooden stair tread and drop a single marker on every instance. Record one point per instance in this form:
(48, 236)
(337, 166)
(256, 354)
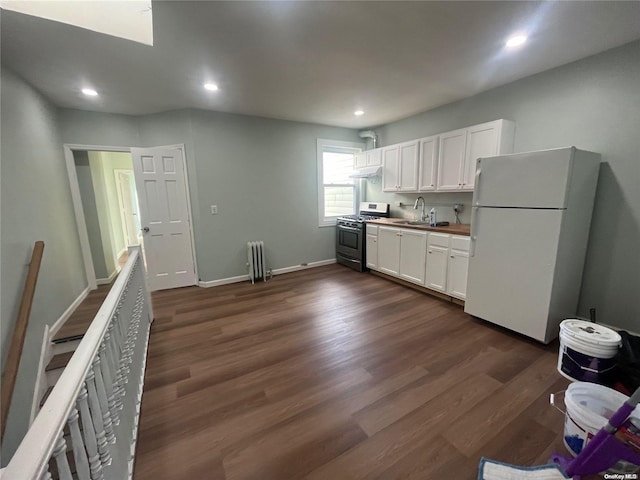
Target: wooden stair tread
(70, 338)
(59, 361)
(46, 395)
(77, 324)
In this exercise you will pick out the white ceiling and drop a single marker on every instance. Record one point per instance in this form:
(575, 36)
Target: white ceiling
(311, 61)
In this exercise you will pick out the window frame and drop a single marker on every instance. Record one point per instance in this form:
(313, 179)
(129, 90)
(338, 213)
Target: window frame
(348, 147)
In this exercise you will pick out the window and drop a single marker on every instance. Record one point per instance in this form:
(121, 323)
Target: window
(337, 193)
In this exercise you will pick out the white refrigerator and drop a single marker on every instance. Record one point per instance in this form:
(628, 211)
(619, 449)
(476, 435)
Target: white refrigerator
(530, 221)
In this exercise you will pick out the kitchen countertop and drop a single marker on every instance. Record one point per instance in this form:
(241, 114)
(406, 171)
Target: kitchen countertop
(453, 228)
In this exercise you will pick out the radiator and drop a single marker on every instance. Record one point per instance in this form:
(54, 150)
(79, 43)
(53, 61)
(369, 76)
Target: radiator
(257, 261)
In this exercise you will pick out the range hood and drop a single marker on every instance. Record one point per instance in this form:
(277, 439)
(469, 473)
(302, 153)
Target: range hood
(366, 172)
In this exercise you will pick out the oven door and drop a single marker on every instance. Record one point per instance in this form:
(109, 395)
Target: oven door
(350, 246)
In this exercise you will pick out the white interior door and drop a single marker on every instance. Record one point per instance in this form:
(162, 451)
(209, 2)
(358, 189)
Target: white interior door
(164, 214)
(128, 206)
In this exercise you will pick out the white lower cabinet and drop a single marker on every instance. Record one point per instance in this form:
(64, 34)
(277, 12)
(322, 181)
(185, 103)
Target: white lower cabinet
(438, 261)
(458, 267)
(413, 255)
(437, 253)
(388, 250)
(372, 246)
(401, 252)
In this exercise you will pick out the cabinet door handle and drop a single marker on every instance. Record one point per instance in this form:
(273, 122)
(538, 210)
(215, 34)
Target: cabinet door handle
(429, 251)
(451, 256)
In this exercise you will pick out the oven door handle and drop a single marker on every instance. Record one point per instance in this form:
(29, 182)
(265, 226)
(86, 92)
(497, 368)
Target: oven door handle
(352, 229)
(350, 260)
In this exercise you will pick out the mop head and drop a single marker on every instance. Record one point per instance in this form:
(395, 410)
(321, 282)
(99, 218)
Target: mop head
(492, 470)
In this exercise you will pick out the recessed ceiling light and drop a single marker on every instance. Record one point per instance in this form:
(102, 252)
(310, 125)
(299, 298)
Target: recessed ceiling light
(357, 113)
(516, 41)
(90, 92)
(211, 87)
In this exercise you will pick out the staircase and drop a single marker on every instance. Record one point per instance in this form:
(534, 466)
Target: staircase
(67, 339)
(87, 428)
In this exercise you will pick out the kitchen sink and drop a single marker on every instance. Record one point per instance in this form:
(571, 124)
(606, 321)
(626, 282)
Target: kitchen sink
(411, 222)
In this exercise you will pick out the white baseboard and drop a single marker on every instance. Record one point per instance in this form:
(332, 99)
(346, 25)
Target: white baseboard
(223, 281)
(107, 281)
(295, 268)
(40, 386)
(67, 313)
(277, 271)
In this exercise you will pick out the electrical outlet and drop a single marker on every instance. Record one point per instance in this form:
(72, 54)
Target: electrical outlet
(214, 209)
(397, 204)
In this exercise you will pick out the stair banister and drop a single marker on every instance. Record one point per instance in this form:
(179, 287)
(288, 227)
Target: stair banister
(105, 400)
(10, 372)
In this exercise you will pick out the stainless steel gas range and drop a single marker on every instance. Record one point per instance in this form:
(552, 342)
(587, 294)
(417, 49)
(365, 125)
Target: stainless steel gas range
(351, 234)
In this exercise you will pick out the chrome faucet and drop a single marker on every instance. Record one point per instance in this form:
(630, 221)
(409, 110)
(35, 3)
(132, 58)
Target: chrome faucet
(423, 217)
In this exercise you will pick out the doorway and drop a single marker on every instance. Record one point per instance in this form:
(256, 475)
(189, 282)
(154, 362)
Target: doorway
(98, 174)
(121, 197)
(128, 206)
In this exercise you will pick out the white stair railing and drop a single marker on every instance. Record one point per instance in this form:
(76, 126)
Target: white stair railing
(91, 415)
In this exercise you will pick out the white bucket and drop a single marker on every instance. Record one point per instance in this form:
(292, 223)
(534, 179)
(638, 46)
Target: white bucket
(589, 407)
(587, 351)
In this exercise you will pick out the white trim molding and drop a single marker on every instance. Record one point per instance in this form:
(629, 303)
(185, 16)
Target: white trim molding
(223, 281)
(40, 386)
(295, 268)
(68, 312)
(109, 279)
(277, 271)
(85, 248)
(337, 146)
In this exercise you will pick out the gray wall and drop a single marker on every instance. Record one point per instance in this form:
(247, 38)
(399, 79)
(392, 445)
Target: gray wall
(593, 104)
(90, 209)
(260, 172)
(36, 205)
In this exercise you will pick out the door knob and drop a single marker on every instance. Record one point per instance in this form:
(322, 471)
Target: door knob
(145, 229)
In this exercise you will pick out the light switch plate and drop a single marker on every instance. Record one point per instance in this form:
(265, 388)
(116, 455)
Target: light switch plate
(214, 209)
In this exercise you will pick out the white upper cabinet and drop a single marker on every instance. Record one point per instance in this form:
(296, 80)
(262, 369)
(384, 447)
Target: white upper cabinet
(428, 164)
(486, 140)
(409, 153)
(368, 158)
(374, 157)
(460, 149)
(444, 162)
(451, 159)
(400, 167)
(390, 168)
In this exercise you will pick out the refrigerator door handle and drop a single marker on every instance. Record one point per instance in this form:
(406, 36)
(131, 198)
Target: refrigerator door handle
(476, 183)
(474, 231)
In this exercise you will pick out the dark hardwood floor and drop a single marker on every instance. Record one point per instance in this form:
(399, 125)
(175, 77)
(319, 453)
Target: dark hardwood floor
(332, 374)
(78, 323)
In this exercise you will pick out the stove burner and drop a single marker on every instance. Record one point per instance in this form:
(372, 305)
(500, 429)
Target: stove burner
(358, 218)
